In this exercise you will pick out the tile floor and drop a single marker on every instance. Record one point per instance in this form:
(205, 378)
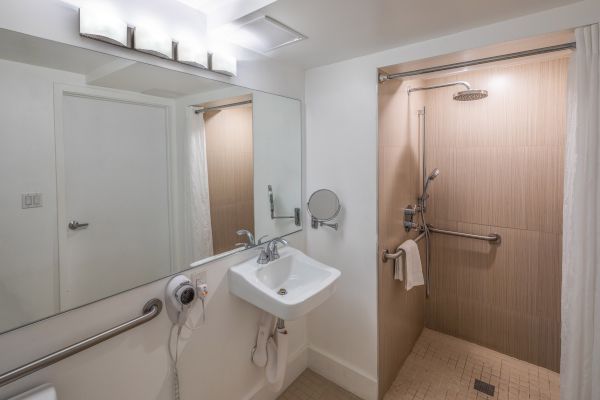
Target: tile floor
(442, 367)
(312, 386)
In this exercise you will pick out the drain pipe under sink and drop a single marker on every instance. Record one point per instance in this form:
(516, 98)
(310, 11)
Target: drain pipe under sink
(271, 351)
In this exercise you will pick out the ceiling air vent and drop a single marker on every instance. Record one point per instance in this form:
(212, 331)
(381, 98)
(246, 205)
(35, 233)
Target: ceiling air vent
(264, 34)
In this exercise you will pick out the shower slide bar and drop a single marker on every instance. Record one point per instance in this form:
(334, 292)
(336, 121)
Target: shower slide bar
(149, 312)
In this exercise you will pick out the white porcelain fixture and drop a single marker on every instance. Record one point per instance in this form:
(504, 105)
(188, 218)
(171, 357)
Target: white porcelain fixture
(306, 283)
(44, 392)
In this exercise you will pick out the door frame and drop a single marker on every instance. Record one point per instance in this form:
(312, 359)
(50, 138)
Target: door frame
(63, 90)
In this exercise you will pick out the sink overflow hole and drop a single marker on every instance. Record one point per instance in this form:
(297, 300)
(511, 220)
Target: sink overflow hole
(282, 292)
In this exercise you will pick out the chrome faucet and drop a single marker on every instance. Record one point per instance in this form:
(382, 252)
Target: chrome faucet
(250, 239)
(269, 252)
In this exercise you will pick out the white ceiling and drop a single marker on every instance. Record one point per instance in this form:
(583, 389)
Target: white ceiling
(102, 69)
(343, 29)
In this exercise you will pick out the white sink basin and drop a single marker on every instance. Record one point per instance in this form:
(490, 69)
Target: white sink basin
(307, 283)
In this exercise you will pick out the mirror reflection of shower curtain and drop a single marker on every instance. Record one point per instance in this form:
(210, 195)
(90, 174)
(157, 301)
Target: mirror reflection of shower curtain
(580, 336)
(199, 242)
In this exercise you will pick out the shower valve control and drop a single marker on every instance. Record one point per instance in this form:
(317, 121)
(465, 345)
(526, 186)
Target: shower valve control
(409, 215)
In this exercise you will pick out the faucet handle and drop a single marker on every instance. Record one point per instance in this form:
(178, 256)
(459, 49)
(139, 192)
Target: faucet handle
(263, 258)
(272, 247)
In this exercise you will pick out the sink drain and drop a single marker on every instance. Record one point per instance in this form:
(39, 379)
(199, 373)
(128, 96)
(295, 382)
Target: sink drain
(282, 292)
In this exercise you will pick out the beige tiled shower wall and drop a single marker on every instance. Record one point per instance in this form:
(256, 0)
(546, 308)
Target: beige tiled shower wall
(230, 174)
(501, 163)
(400, 312)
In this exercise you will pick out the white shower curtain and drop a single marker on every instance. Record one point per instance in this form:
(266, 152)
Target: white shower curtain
(197, 203)
(580, 353)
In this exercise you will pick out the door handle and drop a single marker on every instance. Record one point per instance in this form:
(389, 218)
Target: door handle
(75, 225)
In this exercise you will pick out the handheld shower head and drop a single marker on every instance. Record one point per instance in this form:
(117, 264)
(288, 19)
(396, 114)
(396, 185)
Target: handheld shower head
(434, 174)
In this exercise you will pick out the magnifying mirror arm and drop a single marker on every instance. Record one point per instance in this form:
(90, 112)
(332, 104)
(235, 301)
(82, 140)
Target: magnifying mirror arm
(315, 223)
(295, 217)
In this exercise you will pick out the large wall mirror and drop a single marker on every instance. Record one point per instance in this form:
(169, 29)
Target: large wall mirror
(115, 173)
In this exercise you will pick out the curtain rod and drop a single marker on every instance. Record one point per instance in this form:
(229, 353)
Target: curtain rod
(239, 103)
(542, 50)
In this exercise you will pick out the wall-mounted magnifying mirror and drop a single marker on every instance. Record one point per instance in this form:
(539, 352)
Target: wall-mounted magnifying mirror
(323, 205)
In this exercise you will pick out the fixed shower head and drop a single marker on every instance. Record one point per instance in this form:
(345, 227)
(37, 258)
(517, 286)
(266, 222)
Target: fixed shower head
(465, 95)
(470, 94)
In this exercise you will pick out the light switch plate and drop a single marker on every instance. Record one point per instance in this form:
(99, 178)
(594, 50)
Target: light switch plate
(31, 200)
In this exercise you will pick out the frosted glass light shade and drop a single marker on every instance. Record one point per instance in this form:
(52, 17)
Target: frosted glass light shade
(224, 64)
(102, 26)
(152, 41)
(192, 53)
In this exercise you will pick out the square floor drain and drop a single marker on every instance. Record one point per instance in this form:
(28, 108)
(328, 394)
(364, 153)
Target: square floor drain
(484, 387)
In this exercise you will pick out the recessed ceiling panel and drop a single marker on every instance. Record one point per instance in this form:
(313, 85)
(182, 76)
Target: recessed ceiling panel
(264, 34)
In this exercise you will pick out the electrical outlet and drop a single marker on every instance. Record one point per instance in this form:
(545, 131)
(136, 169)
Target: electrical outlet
(200, 281)
(197, 277)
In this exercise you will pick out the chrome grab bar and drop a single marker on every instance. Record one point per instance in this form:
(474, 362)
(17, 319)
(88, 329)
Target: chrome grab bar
(150, 311)
(399, 252)
(492, 237)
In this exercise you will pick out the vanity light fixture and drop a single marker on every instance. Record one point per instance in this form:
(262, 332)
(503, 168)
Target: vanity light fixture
(99, 24)
(192, 53)
(224, 64)
(102, 25)
(153, 41)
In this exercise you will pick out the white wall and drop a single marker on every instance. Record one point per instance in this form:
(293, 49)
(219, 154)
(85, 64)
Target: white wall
(277, 134)
(341, 147)
(28, 238)
(216, 363)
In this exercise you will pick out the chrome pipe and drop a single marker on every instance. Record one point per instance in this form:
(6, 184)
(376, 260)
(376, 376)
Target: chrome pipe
(399, 252)
(492, 237)
(543, 50)
(150, 310)
(224, 106)
(443, 85)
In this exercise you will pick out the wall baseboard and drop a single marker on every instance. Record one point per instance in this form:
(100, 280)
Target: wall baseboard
(341, 373)
(297, 363)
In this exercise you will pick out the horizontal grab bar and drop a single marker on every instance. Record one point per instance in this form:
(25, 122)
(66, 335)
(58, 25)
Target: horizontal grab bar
(150, 311)
(492, 237)
(399, 252)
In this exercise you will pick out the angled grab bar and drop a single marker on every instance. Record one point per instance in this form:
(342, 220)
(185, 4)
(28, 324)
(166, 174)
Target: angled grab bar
(150, 311)
(399, 252)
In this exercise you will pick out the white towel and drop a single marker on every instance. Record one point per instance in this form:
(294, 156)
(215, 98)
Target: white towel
(412, 260)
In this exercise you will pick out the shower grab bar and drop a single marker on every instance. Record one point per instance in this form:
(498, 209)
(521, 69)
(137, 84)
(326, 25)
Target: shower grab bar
(399, 252)
(150, 311)
(492, 237)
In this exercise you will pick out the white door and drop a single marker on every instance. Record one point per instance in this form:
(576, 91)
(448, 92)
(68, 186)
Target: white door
(115, 178)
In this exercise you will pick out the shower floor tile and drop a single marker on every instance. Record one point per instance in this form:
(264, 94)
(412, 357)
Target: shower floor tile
(312, 386)
(442, 367)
